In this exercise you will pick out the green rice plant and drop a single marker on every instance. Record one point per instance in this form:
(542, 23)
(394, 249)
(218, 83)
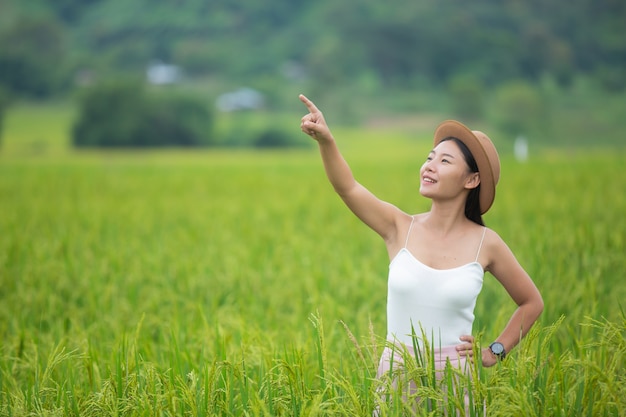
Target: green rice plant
(236, 283)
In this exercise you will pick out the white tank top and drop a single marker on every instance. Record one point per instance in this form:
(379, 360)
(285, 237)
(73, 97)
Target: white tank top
(437, 303)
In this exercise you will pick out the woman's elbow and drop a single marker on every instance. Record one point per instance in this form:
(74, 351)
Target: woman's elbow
(539, 305)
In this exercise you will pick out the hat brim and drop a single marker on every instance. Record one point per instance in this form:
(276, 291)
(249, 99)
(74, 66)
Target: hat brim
(482, 150)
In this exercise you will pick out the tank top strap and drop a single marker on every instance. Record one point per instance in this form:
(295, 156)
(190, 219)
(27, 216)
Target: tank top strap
(481, 244)
(406, 242)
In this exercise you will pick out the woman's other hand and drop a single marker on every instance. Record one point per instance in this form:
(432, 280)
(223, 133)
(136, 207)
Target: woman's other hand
(467, 349)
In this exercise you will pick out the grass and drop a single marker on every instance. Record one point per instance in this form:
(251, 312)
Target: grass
(235, 282)
(32, 129)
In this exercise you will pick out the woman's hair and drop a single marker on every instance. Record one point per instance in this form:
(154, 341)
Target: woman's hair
(472, 204)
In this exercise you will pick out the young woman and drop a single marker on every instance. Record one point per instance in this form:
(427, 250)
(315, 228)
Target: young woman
(438, 258)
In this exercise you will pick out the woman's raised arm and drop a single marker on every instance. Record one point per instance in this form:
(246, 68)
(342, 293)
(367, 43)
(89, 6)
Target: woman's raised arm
(381, 216)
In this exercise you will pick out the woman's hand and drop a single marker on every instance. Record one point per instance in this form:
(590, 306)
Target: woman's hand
(467, 349)
(488, 358)
(313, 124)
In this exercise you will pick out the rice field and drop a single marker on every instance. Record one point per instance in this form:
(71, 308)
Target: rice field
(235, 283)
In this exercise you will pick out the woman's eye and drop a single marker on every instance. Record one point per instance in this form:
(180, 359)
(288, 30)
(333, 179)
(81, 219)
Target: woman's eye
(445, 161)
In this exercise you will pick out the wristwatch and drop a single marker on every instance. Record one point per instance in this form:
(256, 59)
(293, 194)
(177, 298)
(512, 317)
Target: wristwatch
(498, 350)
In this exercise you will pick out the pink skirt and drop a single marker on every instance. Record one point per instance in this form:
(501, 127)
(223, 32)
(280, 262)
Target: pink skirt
(438, 357)
(434, 373)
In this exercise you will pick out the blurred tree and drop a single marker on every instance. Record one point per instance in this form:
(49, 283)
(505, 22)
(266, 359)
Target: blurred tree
(70, 11)
(175, 120)
(108, 114)
(467, 94)
(5, 100)
(123, 114)
(518, 108)
(336, 43)
(277, 138)
(32, 56)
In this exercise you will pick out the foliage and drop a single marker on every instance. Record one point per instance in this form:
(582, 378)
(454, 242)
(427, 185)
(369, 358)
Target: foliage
(275, 138)
(468, 97)
(33, 56)
(333, 43)
(5, 100)
(258, 129)
(219, 282)
(122, 114)
(518, 108)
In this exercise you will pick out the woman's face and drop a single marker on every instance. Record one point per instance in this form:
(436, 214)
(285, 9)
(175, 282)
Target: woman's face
(445, 173)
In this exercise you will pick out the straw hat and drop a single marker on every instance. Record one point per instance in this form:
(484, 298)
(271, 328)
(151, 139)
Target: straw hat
(484, 153)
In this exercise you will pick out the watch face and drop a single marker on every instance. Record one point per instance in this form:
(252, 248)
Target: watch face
(497, 348)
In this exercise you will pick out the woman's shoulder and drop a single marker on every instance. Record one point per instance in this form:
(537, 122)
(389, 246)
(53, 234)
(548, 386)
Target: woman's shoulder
(495, 247)
(492, 238)
(401, 221)
(493, 235)
(419, 217)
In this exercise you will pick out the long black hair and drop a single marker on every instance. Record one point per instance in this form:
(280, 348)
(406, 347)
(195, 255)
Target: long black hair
(472, 204)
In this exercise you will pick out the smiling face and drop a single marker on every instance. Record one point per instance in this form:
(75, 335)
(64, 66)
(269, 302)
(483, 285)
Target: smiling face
(445, 174)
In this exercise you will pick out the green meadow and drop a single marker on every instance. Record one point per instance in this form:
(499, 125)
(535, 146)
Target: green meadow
(234, 282)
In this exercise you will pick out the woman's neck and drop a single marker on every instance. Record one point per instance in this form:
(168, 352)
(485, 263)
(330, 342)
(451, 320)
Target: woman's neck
(445, 218)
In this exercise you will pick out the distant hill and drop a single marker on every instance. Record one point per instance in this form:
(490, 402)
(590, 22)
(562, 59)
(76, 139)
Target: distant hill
(367, 42)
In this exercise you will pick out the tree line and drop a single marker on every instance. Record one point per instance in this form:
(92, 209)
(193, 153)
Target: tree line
(50, 48)
(46, 46)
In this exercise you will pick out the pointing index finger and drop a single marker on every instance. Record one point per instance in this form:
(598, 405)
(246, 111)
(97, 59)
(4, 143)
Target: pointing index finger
(309, 104)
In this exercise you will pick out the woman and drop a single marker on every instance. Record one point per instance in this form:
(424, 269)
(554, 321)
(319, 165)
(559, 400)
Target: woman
(438, 258)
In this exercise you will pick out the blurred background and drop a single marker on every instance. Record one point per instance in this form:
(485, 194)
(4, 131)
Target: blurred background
(120, 73)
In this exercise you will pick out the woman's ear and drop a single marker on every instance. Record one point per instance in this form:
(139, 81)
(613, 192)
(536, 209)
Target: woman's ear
(472, 181)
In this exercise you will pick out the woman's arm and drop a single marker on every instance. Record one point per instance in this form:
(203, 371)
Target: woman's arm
(504, 266)
(377, 214)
